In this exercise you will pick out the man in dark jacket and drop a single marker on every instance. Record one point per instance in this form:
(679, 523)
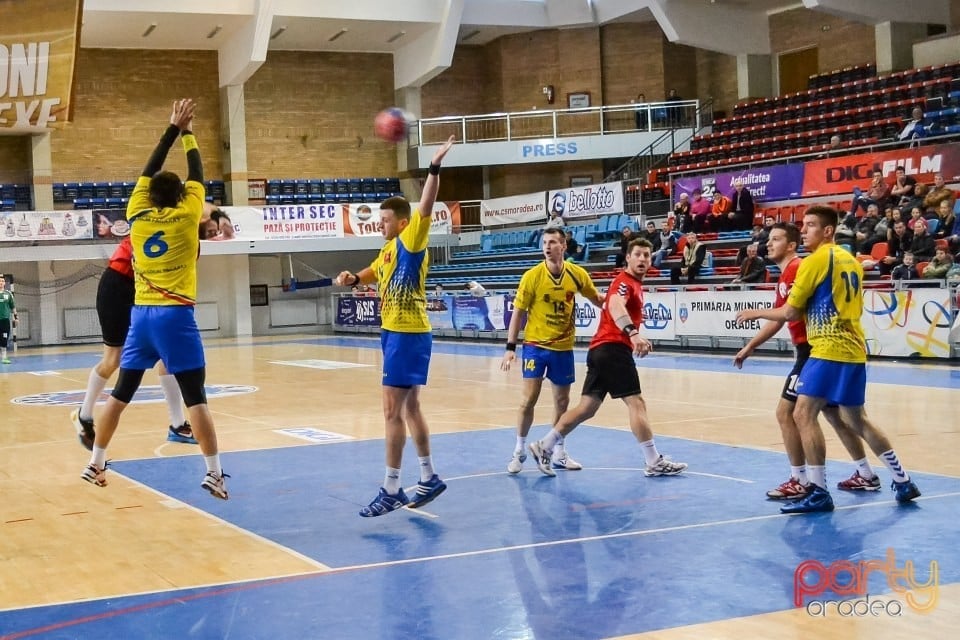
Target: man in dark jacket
(693, 254)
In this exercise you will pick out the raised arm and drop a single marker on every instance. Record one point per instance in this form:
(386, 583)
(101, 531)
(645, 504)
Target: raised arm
(181, 109)
(432, 184)
(183, 120)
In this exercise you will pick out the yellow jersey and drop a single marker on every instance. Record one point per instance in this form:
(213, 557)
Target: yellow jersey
(549, 302)
(829, 287)
(401, 271)
(165, 243)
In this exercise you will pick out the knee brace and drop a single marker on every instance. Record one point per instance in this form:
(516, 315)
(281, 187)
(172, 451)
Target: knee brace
(127, 384)
(192, 386)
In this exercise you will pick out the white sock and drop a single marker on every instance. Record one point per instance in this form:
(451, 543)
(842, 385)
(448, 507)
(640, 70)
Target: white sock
(893, 463)
(558, 449)
(426, 468)
(521, 445)
(391, 481)
(99, 457)
(817, 475)
(650, 453)
(863, 467)
(171, 393)
(3, 353)
(799, 473)
(95, 385)
(550, 441)
(213, 464)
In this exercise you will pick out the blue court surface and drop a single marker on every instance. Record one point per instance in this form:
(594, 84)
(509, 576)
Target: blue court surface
(589, 554)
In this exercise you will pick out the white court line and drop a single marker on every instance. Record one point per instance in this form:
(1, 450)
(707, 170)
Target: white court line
(692, 473)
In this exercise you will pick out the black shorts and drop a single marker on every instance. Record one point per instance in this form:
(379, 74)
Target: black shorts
(4, 332)
(114, 302)
(611, 369)
(789, 392)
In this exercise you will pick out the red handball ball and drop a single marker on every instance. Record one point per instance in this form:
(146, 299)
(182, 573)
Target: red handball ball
(392, 124)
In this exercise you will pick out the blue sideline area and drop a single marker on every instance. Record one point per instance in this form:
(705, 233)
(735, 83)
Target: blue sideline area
(590, 554)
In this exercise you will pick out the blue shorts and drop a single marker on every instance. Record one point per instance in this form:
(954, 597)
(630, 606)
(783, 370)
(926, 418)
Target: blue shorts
(168, 333)
(557, 365)
(406, 358)
(839, 383)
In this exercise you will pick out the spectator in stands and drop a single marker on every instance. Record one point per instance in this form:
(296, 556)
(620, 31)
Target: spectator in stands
(953, 236)
(719, 211)
(846, 231)
(752, 269)
(947, 220)
(675, 114)
(898, 244)
(573, 251)
(902, 188)
(913, 130)
(863, 231)
(758, 237)
(682, 215)
(740, 216)
(555, 220)
(938, 267)
(640, 113)
(938, 193)
(475, 288)
(626, 235)
(881, 231)
(906, 270)
(650, 233)
(915, 201)
(700, 210)
(923, 247)
(877, 193)
(915, 214)
(667, 245)
(833, 147)
(693, 255)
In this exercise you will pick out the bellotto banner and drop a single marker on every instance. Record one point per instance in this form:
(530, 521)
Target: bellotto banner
(38, 49)
(840, 175)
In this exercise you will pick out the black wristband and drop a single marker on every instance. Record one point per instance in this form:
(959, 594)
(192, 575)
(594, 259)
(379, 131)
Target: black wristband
(356, 280)
(630, 329)
(511, 346)
(186, 132)
(434, 169)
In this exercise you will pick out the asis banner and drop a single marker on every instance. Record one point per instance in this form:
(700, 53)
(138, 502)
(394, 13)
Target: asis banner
(840, 175)
(586, 202)
(364, 219)
(19, 226)
(528, 207)
(38, 50)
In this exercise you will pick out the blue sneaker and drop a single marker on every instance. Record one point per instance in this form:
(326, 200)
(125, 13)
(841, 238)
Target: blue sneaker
(384, 503)
(817, 499)
(183, 433)
(906, 490)
(427, 491)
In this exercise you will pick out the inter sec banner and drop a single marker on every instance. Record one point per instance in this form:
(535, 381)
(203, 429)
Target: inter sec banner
(38, 50)
(840, 175)
(20, 226)
(528, 207)
(586, 202)
(287, 222)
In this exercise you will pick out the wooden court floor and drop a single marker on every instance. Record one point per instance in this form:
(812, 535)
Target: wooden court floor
(63, 540)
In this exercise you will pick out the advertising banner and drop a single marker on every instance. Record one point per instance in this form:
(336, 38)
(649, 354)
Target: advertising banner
(778, 182)
(585, 202)
(659, 315)
(913, 322)
(364, 219)
(356, 311)
(19, 226)
(38, 50)
(840, 175)
(528, 207)
(713, 313)
(287, 222)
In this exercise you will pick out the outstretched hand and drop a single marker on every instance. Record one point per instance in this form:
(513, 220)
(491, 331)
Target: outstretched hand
(442, 151)
(182, 116)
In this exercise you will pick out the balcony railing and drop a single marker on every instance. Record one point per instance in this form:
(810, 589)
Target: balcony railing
(560, 123)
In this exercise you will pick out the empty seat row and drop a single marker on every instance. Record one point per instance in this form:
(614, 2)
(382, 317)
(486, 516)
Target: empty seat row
(301, 186)
(65, 192)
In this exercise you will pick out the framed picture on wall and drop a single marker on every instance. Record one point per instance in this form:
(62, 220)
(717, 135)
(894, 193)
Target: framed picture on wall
(259, 296)
(579, 100)
(580, 181)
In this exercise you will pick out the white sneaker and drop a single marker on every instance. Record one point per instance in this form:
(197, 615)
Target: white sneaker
(542, 458)
(563, 461)
(214, 483)
(664, 467)
(516, 462)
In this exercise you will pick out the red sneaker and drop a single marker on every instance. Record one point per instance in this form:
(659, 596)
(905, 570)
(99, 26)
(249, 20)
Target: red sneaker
(789, 490)
(857, 482)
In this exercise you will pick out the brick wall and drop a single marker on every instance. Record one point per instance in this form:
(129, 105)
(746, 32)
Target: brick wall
(843, 44)
(14, 159)
(529, 178)
(632, 62)
(717, 79)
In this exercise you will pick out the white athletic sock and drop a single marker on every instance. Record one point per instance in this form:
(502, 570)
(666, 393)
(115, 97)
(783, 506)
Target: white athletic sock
(799, 473)
(650, 452)
(171, 393)
(99, 457)
(391, 481)
(3, 353)
(893, 463)
(817, 475)
(95, 385)
(426, 467)
(550, 441)
(213, 464)
(521, 445)
(863, 467)
(558, 448)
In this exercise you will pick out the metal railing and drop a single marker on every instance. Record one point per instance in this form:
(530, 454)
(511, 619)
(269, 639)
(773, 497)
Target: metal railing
(559, 123)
